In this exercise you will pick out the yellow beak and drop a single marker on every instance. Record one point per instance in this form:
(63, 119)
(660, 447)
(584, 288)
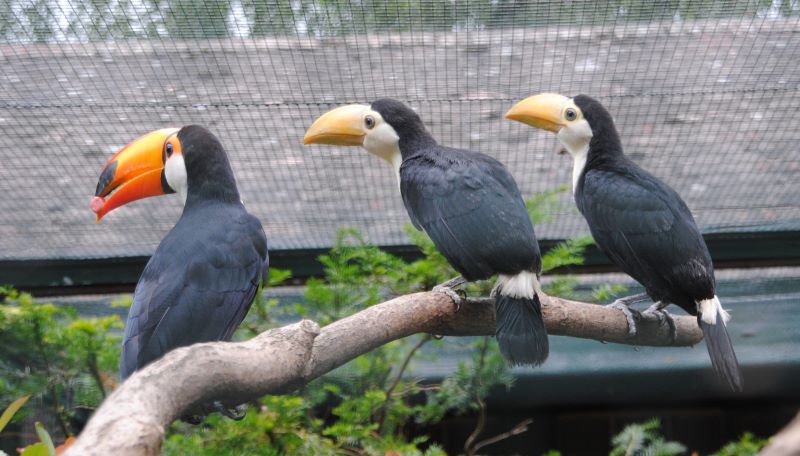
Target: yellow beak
(543, 111)
(343, 126)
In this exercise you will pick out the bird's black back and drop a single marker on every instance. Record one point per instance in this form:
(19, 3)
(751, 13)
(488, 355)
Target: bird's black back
(467, 202)
(198, 285)
(470, 206)
(645, 228)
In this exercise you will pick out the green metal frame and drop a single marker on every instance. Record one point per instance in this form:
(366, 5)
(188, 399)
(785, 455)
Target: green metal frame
(103, 275)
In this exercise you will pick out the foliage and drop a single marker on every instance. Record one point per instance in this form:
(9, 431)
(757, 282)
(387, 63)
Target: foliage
(747, 445)
(542, 206)
(567, 253)
(62, 360)
(644, 439)
(44, 447)
(11, 410)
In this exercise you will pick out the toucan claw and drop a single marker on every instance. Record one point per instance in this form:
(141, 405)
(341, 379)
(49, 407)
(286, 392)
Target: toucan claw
(236, 413)
(452, 294)
(657, 309)
(630, 314)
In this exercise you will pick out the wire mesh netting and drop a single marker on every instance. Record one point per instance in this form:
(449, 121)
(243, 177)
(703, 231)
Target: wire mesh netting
(705, 94)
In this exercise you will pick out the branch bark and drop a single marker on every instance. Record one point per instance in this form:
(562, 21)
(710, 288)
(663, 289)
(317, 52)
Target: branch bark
(133, 420)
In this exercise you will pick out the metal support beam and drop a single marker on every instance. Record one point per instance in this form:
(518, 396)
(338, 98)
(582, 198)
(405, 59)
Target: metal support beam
(105, 275)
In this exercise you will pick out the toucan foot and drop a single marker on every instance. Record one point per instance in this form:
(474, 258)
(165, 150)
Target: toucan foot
(658, 310)
(454, 282)
(455, 296)
(194, 420)
(630, 315)
(448, 288)
(236, 413)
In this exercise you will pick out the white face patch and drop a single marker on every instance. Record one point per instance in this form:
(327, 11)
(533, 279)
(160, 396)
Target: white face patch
(382, 140)
(709, 309)
(575, 137)
(175, 173)
(523, 285)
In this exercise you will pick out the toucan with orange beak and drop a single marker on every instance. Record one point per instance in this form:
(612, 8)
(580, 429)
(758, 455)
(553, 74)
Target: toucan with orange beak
(469, 205)
(204, 275)
(637, 220)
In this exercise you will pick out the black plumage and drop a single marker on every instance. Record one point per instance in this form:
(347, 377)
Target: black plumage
(203, 277)
(470, 206)
(647, 230)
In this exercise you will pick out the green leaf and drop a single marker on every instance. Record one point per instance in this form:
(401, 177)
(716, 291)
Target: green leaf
(37, 449)
(278, 276)
(748, 445)
(567, 253)
(541, 206)
(44, 436)
(11, 410)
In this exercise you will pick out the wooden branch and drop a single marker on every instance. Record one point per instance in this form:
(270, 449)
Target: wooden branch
(785, 442)
(133, 420)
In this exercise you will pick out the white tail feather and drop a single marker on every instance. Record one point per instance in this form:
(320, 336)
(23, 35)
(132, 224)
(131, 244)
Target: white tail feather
(523, 285)
(709, 308)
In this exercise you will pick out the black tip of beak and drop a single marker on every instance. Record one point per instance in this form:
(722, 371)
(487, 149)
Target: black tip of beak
(106, 178)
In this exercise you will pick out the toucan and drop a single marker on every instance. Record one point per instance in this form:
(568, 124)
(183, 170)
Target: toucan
(466, 202)
(204, 275)
(637, 220)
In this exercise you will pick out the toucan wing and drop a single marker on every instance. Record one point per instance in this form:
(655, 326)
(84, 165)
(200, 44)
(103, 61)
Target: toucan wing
(645, 228)
(471, 208)
(197, 287)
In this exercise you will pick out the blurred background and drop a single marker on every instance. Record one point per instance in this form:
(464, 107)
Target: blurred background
(705, 94)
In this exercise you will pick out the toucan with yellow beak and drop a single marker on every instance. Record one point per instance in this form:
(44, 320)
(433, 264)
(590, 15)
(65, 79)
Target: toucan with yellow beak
(204, 275)
(640, 223)
(469, 205)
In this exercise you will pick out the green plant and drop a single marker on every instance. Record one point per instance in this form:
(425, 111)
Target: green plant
(49, 352)
(44, 447)
(747, 445)
(643, 439)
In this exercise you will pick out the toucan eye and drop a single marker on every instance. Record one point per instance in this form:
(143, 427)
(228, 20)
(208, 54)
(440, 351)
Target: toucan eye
(369, 121)
(571, 114)
(169, 150)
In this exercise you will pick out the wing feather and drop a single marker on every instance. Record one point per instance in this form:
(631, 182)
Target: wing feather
(197, 287)
(471, 208)
(647, 230)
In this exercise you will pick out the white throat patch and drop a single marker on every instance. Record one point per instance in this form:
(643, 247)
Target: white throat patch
(384, 142)
(175, 173)
(576, 137)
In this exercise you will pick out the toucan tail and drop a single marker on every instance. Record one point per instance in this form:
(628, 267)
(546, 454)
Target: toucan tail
(520, 329)
(712, 319)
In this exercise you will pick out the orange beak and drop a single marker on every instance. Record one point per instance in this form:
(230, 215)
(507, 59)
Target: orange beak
(135, 172)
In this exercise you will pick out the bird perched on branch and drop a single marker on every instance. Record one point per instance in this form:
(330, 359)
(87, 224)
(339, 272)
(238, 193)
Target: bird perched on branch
(469, 205)
(641, 223)
(204, 275)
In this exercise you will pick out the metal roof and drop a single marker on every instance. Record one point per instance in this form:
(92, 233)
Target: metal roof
(711, 106)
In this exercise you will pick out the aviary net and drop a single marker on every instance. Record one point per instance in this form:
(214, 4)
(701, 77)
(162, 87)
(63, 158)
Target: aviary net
(706, 96)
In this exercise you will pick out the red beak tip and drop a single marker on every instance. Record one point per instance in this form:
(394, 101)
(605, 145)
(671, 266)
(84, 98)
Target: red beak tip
(97, 204)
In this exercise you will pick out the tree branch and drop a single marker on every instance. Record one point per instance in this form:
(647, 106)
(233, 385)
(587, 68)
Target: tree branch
(133, 419)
